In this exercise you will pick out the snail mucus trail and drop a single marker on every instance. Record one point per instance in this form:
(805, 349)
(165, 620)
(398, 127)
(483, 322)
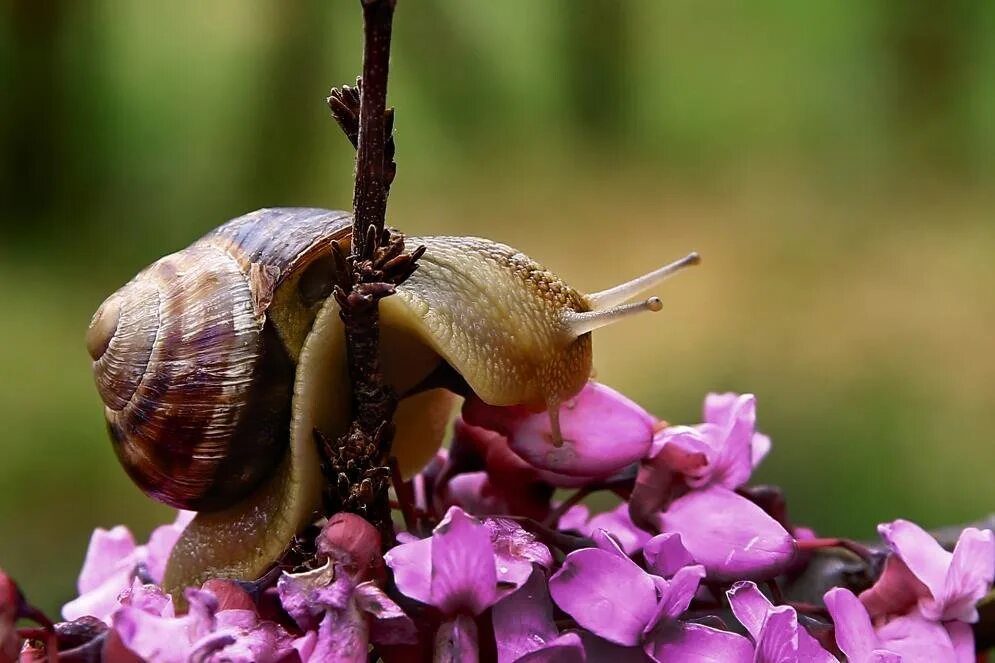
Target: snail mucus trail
(216, 364)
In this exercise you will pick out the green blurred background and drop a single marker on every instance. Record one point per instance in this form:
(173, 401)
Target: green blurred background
(832, 161)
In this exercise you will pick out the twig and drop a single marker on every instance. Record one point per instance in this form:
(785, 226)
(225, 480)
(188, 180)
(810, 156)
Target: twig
(356, 464)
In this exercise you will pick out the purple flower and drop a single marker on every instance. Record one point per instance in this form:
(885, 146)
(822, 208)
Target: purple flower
(616, 522)
(946, 586)
(464, 568)
(147, 626)
(665, 554)
(907, 639)
(730, 536)
(612, 597)
(110, 564)
(778, 636)
(524, 629)
(728, 441)
(603, 431)
(332, 609)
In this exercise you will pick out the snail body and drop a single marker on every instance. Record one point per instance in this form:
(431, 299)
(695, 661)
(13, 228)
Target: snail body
(217, 363)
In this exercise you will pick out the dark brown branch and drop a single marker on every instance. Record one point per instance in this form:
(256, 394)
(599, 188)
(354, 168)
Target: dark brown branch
(369, 202)
(356, 464)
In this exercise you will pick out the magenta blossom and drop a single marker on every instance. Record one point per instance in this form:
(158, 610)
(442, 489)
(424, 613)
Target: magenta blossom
(944, 586)
(730, 536)
(112, 561)
(524, 628)
(727, 440)
(465, 567)
(617, 601)
(603, 431)
(146, 624)
(332, 610)
(906, 639)
(775, 630)
(616, 522)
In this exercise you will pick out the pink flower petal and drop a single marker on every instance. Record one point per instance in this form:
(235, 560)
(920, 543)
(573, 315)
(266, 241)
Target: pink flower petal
(618, 523)
(523, 620)
(515, 552)
(968, 579)
(917, 639)
(568, 648)
(307, 596)
(855, 635)
(676, 594)
(456, 641)
(750, 607)
(895, 591)
(463, 576)
(412, 566)
(161, 543)
(608, 595)
(729, 535)
(665, 554)
(920, 552)
(341, 637)
(962, 640)
(603, 431)
(696, 643)
(391, 626)
(956, 581)
(110, 552)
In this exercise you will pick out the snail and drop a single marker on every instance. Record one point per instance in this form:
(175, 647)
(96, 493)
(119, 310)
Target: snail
(217, 363)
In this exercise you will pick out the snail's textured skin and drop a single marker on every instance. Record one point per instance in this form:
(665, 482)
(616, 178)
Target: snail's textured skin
(217, 363)
(493, 313)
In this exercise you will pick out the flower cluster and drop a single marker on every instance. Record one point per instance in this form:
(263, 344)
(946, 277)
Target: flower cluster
(691, 565)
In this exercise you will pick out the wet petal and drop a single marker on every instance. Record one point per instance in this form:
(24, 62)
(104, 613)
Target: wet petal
(968, 579)
(463, 576)
(855, 635)
(161, 543)
(665, 554)
(456, 641)
(523, 620)
(917, 639)
(341, 637)
(391, 626)
(307, 596)
(412, 566)
(568, 648)
(515, 551)
(920, 552)
(750, 606)
(603, 431)
(962, 640)
(608, 595)
(956, 581)
(618, 523)
(676, 594)
(110, 551)
(696, 643)
(895, 591)
(729, 535)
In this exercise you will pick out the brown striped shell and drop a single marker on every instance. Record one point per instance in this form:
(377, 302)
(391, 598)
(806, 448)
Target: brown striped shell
(195, 378)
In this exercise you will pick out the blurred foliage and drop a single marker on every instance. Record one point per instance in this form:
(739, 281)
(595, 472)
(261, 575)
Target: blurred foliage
(833, 162)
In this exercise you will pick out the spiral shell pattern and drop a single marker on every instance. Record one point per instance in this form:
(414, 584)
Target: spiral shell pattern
(196, 379)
